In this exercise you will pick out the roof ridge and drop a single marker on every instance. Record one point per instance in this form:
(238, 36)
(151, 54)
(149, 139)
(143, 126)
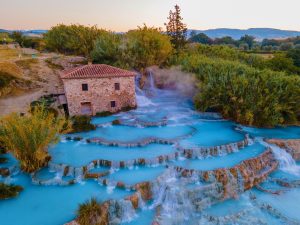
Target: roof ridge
(96, 70)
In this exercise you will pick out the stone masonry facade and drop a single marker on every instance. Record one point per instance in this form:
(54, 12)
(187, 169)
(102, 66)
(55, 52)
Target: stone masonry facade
(92, 95)
(100, 94)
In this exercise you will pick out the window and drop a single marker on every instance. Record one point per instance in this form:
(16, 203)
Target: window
(117, 86)
(85, 87)
(113, 104)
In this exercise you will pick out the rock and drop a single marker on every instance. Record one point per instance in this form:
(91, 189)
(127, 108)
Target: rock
(292, 146)
(4, 172)
(145, 190)
(134, 200)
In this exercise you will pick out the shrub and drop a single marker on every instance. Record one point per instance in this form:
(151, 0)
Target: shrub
(89, 213)
(104, 113)
(9, 191)
(82, 123)
(28, 137)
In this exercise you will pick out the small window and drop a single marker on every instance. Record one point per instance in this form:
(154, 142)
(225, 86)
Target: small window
(113, 104)
(117, 86)
(85, 87)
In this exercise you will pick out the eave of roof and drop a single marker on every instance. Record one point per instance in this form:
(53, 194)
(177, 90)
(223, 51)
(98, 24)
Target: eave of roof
(95, 71)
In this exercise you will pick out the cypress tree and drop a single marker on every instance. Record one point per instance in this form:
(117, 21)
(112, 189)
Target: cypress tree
(176, 29)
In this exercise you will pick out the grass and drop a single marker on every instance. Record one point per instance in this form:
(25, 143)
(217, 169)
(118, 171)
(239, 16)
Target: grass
(11, 68)
(26, 63)
(8, 53)
(8, 72)
(89, 212)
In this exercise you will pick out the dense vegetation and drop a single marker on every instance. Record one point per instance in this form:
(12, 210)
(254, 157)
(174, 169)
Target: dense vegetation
(73, 39)
(247, 92)
(27, 137)
(248, 42)
(139, 48)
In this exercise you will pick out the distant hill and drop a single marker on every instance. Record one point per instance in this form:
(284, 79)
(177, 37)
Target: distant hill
(26, 32)
(258, 33)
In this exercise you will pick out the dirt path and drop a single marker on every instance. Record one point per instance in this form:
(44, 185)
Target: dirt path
(19, 104)
(45, 76)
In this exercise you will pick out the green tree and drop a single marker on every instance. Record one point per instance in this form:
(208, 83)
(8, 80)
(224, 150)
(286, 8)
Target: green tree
(247, 39)
(286, 46)
(73, 39)
(225, 41)
(107, 48)
(201, 38)
(294, 54)
(146, 46)
(176, 29)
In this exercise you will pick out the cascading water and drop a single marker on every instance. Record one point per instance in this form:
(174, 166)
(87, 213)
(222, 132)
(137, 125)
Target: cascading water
(142, 99)
(216, 167)
(286, 161)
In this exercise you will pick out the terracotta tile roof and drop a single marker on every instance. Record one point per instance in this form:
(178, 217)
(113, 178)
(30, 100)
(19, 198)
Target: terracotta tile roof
(95, 71)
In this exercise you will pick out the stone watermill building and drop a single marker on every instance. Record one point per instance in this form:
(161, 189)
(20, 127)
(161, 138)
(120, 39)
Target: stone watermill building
(94, 88)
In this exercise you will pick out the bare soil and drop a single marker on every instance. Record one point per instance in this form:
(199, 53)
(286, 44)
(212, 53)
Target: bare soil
(43, 72)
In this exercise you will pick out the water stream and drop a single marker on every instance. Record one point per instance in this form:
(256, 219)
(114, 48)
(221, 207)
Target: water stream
(160, 142)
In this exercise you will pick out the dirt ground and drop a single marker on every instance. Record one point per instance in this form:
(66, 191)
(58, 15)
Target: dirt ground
(43, 73)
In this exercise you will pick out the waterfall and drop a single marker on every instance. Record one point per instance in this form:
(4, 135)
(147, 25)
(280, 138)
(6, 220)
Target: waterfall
(286, 161)
(121, 211)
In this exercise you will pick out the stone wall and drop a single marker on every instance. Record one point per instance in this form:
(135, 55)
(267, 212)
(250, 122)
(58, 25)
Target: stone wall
(101, 91)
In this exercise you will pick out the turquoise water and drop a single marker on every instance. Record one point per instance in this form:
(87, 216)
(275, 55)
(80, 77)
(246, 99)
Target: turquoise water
(143, 217)
(292, 132)
(212, 134)
(103, 120)
(226, 161)
(81, 153)
(121, 133)
(49, 205)
(55, 204)
(136, 175)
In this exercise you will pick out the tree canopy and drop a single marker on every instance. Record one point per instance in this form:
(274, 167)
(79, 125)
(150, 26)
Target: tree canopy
(146, 46)
(72, 39)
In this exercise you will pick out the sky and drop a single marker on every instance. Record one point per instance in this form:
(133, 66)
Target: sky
(122, 15)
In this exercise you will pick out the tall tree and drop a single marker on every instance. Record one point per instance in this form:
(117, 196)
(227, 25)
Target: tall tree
(176, 29)
(146, 46)
(247, 39)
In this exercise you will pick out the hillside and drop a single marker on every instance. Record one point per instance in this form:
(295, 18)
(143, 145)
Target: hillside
(258, 33)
